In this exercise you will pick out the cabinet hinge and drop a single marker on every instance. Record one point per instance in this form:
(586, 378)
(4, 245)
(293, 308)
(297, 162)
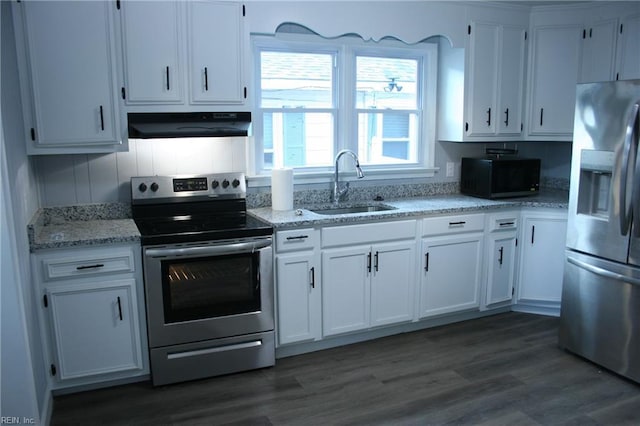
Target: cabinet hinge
(33, 134)
(124, 93)
(469, 29)
(244, 10)
(45, 301)
(245, 93)
(118, 4)
(53, 370)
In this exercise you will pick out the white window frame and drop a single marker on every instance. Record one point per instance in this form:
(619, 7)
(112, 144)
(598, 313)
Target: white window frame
(345, 113)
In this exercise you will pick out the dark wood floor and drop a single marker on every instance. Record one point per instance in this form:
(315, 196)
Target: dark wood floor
(500, 370)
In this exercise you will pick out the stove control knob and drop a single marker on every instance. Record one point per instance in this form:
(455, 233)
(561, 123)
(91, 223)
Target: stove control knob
(235, 183)
(154, 187)
(142, 187)
(215, 184)
(225, 184)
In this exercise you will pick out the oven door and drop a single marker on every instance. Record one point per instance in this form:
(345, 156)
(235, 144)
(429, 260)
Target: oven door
(209, 290)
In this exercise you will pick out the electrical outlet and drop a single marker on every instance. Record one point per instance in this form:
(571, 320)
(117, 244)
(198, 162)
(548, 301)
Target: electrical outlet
(451, 169)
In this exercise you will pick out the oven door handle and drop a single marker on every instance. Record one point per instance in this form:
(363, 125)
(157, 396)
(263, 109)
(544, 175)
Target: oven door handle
(212, 250)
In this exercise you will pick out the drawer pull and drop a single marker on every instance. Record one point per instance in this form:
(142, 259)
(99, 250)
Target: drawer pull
(119, 308)
(457, 223)
(97, 265)
(298, 237)
(507, 224)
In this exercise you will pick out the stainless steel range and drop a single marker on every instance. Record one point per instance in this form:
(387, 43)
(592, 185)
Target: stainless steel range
(208, 276)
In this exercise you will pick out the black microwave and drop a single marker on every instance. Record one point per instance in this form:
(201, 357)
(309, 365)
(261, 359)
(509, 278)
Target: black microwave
(500, 176)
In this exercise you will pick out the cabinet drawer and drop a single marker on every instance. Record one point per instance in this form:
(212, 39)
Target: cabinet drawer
(100, 262)
(503, 222)
(296, 239)
(452, 224)
(367, 233)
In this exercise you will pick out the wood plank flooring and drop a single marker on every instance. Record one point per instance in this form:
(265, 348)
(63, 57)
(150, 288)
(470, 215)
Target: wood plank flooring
(500, 370)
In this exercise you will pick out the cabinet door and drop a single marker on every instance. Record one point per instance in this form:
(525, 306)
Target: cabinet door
(151, 45)
(501, 272)
(508, 117)
(298, 292)
(71, 60)
(628, 56)
(598, 51)
(542, 262)
(95, 328)
(216, 50)
(345, 289)
(451, 274)
(483, 75)
(392, 288)
(555, 65)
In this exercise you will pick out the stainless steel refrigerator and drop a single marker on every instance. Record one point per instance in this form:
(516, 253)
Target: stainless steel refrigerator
(600, 314)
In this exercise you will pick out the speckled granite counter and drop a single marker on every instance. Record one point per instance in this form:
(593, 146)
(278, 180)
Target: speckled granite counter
(89, 224)
(95, 224)
(408, 207)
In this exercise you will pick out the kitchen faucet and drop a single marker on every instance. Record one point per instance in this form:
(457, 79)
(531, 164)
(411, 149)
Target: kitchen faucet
(337, 192)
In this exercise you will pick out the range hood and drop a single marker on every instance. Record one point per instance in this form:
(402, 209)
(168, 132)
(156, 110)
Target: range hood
(188, 124)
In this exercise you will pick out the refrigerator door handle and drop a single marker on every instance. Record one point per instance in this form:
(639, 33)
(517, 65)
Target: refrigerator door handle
(625, 213)
(603, 272)
(633, 134)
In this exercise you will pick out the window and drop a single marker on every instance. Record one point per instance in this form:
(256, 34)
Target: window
(319, 96)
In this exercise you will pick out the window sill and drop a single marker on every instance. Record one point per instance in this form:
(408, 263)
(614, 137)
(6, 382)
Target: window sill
(303, 178)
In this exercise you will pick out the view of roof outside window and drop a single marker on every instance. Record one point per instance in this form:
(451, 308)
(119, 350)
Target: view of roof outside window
(300, 110)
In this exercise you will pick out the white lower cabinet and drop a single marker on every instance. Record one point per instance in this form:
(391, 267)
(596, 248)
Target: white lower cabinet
(367, 285)
(452, 264)
(298, 286)
(92, 313)
(543, 238)
(501, 258)
(95, 328)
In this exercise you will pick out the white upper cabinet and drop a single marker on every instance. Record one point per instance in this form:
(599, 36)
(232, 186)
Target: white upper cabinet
(555, 62)
(487, 103)
(195, 59)
(216, 43)
(67, 58)
(628, 57)
(152, 57)
(598, 51)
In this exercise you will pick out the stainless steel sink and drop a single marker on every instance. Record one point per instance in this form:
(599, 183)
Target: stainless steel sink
(352, 209)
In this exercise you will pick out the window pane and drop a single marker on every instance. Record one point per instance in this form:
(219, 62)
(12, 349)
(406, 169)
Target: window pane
(387, 138)
(386, 83)
(297, 139)
(293, 80)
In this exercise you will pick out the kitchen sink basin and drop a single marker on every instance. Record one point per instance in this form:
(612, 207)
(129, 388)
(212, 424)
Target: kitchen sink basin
(353, 209)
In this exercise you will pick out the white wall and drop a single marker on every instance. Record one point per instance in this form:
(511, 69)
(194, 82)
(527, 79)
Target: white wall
(20, 201)
(81, 179)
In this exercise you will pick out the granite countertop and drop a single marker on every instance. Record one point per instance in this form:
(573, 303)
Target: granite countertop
(408, 207)
(95, 224)
(90, 224)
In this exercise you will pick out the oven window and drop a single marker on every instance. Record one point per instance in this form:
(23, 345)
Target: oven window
(210, 287)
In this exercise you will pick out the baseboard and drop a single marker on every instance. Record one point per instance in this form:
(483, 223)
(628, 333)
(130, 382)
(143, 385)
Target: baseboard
(364, 335)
